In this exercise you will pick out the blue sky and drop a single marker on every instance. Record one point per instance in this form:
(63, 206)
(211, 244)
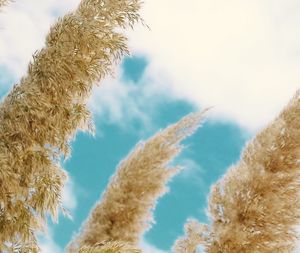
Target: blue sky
(242, 57)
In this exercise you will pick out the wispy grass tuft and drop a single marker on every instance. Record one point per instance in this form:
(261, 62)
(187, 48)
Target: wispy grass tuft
(125, 210)
(255, 206)
(42, 113)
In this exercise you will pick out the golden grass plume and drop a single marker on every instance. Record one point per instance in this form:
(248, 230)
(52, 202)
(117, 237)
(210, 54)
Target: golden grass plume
(255, 207)
(195, 234)
(125, 210)
(42, 113)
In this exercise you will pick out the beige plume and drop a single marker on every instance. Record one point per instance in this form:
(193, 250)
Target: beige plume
(255, 207)
(195, 235)
(125, 210)
(42, 113)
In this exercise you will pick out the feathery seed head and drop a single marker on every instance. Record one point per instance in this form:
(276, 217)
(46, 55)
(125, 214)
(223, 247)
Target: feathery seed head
(196, 234)
(255, 207)
(42, 113)
(125, 210)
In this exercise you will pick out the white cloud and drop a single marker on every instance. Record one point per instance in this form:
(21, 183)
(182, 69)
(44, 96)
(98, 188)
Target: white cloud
(125, 103)
(48, 245)
(149, 248)
(113, 99)
(69, 200)
(193, 172)
(23, 26)
(297, 249)
(242, 57)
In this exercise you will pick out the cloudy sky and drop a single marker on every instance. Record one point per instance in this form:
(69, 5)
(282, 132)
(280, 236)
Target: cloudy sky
(241, 57)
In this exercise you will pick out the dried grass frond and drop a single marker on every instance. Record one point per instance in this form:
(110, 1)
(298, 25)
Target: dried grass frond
(195, 235)
(109, 247)
(255, 207)
(42, 113)
(125, 210)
